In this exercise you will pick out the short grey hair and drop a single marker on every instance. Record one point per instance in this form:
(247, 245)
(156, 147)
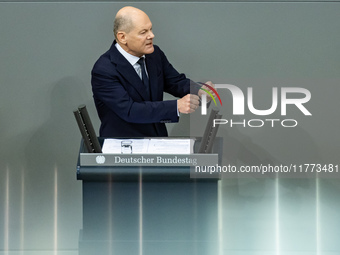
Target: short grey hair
(122, 23)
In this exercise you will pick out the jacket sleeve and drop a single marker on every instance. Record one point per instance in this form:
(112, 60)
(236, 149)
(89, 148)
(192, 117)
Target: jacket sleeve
(176, 84)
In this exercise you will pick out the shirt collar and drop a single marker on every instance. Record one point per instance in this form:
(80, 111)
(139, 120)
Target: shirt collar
(131, 58)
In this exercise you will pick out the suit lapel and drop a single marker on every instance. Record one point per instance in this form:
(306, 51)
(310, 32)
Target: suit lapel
(128, 72)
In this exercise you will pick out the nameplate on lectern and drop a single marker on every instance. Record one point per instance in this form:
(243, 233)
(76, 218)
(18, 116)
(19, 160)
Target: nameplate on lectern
(170, 160)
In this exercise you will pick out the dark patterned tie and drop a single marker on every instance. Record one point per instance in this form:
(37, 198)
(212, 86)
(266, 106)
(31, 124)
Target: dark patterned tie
(145, 78)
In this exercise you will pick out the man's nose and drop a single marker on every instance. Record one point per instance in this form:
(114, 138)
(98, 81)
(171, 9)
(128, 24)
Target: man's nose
(151, 35)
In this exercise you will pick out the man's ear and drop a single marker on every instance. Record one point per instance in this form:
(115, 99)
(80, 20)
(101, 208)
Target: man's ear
(121, 37)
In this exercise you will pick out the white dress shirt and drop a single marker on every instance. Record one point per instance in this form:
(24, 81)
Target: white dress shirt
(132, 60)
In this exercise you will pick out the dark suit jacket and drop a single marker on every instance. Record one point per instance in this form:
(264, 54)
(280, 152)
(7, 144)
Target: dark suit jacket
(123, 106)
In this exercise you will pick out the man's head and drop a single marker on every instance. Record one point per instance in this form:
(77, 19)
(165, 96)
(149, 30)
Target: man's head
(133, 31)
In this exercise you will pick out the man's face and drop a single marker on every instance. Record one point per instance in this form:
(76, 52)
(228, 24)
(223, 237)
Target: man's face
(139, 39)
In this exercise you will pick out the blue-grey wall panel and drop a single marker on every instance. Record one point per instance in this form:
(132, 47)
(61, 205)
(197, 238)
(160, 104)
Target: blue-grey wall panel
(164, 1)
(46, 54)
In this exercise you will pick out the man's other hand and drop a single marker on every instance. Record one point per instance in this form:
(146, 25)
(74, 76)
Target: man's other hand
(188, 103)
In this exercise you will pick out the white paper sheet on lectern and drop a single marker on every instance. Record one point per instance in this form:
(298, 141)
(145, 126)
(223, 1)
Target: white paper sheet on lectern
(170, 146)
(150, 146)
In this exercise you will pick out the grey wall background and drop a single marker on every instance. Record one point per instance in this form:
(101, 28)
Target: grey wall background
(47, 50)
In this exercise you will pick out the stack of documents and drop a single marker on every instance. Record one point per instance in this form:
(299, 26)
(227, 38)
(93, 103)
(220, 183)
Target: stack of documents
(148, 146)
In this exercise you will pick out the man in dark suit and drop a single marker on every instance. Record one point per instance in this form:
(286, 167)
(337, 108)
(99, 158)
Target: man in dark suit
(128, 82)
